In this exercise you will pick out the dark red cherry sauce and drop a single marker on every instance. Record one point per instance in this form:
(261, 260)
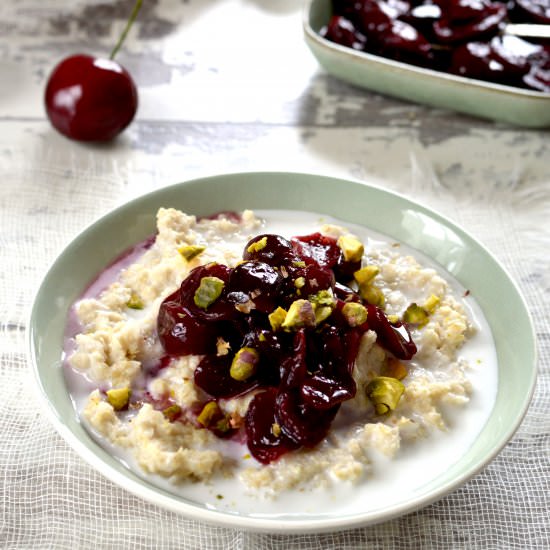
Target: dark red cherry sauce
(301, 374)
(462, 37)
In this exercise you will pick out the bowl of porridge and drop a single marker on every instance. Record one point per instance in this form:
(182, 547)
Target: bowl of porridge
(282, 352)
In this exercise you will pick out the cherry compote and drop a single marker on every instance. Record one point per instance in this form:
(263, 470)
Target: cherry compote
(462, 37)
(276, 325)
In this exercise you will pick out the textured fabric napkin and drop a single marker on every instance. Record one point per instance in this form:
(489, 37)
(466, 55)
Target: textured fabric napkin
(50, 498)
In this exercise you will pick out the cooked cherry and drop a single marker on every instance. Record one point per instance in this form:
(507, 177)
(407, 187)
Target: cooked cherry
(458, 36)
(275, 250)
(486, 24)
(265, 442)
(323, 392)
(221, 309)
(293, 368)
(258, 281)
(538, 78)
(302, 424)
(318, 249)
(505, 60)
(212, 376)
(395, 337)
(342, 31)
(538, 11)
(180, 333)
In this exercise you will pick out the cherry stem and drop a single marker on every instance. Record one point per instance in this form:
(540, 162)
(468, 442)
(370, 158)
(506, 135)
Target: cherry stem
(129, 24)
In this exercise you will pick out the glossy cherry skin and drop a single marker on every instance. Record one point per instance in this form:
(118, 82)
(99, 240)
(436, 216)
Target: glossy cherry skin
(90, 99)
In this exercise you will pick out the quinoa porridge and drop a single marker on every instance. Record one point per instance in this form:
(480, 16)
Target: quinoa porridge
(190, 360)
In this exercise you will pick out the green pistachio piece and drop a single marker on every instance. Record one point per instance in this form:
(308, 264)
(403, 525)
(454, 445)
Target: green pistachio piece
(393, 319)
(118, 398)
(323, 298)
(299, 282)
(209, 411)
(135, 302)
(191, 251)
(366, 274)
(323, 304)
(244, 364)
(276, 318)
(172, 412)
(352, 248)
(372, 295)
(257, 246)
(385, 393)
(300, 314)
(431, 303)
(209, 291)
(322, 313)
(299, 263)
(415, 315)
(224, 424)
(355, 314)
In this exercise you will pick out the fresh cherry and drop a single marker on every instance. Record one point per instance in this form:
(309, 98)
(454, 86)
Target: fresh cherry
(92, 99)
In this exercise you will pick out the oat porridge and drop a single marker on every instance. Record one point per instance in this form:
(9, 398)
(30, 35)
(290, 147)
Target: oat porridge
(223, 349)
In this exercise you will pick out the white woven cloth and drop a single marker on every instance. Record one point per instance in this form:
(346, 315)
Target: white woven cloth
(50, 498)
(202, 114)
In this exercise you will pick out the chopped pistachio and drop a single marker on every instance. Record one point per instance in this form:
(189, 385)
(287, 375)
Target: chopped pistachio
(191, 251)
(209, 411)
(355, 314)
(323, 298)
(395, 369)
(300, 314)
(366, 274)
(322, 313)
(262, 337)
(135, 302)
(276, 318)
(222, 347)
(299, 263)
(385, 393)
(172, 412)
(299, 282)
(372, 294)
(276, 429)
(244, 364)
(393, 319)
(431, 303)
(118, 398)
(415, 315)
(352, 248)
(323, 304)
(260, 244)
(224, 424)
(209, 291)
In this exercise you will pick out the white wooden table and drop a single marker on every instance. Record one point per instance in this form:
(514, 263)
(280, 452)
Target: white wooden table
(229, 86)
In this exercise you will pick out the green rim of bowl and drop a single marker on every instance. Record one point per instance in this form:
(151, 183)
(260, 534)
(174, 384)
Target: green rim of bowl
(380, 210)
